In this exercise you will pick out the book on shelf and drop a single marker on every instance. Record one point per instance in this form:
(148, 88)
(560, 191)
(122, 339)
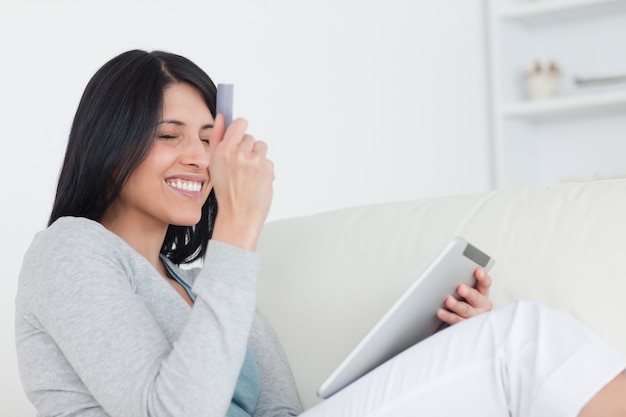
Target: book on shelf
(618, 79)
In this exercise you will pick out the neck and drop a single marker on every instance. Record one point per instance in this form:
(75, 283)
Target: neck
(145, 237)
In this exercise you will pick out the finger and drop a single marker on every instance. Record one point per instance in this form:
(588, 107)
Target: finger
(236, 132)
(460, 308)
(260, 148)
(483, 281)
(247, 144)
(474, 298)
(270, 168)
(448, 317)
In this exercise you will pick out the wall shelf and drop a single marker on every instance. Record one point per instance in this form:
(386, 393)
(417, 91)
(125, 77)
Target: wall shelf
(546, 12)
(580, 131)
(567, 105)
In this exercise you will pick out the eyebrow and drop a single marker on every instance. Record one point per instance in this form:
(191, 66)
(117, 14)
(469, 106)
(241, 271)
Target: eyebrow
(179, 123)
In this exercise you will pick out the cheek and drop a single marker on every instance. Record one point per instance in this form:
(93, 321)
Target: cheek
(152, 171)
(161, 157)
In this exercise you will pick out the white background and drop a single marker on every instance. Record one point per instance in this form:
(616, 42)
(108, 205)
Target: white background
(360, 101)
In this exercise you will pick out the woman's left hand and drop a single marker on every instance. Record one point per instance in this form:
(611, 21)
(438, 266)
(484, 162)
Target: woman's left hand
(473, 301)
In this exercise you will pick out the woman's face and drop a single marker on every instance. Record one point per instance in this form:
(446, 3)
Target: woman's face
(172, 183)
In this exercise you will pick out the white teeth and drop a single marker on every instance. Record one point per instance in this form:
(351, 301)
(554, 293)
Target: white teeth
(186, 185)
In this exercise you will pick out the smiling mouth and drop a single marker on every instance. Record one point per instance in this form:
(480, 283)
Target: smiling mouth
(191, 186)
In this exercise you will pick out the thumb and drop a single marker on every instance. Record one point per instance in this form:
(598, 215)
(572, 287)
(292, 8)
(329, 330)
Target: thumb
(217, 133)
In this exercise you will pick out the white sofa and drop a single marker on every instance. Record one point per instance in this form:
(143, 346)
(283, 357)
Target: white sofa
(327, 278)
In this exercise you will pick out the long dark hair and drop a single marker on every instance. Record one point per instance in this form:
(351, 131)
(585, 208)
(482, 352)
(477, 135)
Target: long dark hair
(114, 129)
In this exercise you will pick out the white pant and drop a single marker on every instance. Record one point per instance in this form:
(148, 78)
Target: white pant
(519, 360)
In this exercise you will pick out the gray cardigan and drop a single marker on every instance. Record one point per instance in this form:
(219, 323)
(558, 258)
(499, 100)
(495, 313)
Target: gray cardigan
(100, 333)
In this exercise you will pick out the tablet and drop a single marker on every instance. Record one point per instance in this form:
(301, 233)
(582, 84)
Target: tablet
(412, 317)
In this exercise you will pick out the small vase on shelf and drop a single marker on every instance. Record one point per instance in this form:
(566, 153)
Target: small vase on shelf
(542, 81)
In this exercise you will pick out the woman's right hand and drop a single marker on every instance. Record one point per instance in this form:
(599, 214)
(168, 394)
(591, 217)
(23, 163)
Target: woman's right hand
(242, 178)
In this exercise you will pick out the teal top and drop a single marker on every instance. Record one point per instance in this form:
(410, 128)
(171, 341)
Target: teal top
(248, 385)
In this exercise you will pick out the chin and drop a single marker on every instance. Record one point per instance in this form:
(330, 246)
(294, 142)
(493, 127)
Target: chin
(185, 220)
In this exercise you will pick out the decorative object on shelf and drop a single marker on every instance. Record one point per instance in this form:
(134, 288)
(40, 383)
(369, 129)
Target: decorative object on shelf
(542, 80)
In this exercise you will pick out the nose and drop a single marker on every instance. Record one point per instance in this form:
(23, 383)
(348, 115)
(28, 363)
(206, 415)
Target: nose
(196, 153)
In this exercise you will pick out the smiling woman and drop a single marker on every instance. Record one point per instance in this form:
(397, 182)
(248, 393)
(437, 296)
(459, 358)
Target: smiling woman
(136, 198)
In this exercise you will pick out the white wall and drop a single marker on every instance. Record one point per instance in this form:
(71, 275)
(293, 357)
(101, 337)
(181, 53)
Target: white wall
(360, 101)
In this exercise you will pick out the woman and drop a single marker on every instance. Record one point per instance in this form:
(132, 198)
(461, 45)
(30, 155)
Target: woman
(108, 324)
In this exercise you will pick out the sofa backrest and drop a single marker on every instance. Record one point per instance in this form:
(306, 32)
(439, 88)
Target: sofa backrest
(327, 278)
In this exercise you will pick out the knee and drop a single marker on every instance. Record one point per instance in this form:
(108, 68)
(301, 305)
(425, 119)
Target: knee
(528, 306)
(530, 317)
(521, 316)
